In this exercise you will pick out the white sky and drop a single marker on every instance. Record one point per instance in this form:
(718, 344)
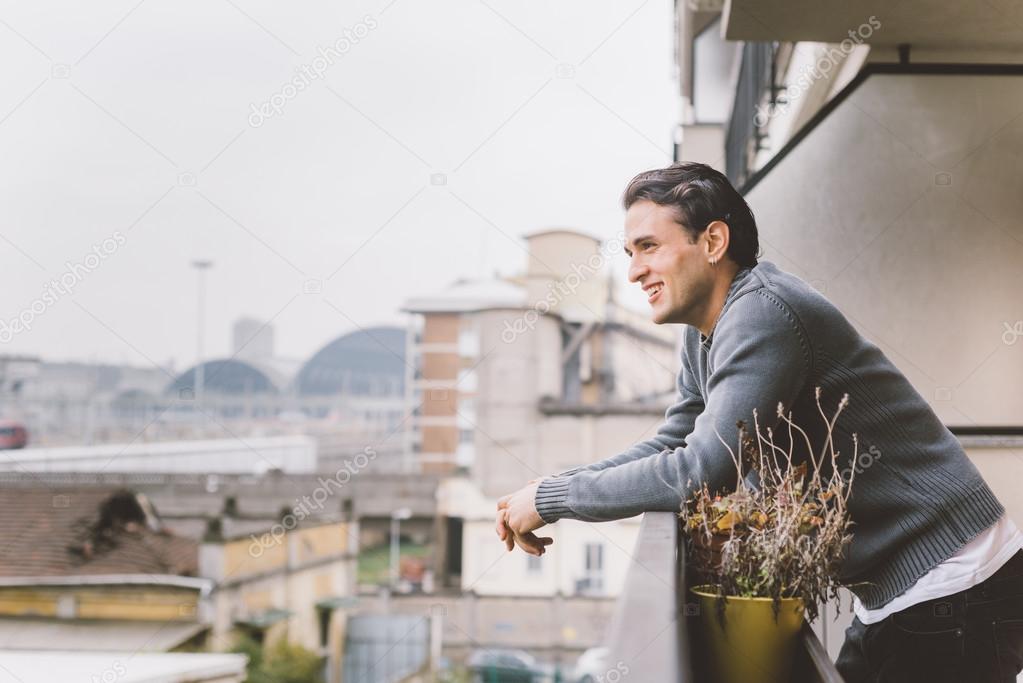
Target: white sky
(106, 108)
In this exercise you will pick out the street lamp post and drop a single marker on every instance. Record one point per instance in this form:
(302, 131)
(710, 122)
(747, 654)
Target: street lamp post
(200, 375)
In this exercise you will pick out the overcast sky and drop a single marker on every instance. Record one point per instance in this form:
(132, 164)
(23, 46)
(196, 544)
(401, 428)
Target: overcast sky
(129, 147)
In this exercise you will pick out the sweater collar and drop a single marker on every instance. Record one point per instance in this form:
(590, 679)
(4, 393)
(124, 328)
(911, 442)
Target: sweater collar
(740, 277)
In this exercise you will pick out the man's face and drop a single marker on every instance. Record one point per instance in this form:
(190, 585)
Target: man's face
(673, 272)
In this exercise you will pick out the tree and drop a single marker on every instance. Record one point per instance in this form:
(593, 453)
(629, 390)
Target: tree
(282, 662)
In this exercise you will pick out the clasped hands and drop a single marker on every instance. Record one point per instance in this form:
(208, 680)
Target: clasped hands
(517, 519)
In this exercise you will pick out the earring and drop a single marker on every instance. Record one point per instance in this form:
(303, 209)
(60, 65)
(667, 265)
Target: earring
(713, 261)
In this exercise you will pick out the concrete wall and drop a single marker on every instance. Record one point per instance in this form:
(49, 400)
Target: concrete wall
(519, 370)
(903, 208)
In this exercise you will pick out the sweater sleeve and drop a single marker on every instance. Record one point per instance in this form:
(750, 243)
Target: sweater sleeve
(758, 358)
(679, 420)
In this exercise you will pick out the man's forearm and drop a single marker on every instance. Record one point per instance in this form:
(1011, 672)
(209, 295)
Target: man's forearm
(752, 376)
(679, 420)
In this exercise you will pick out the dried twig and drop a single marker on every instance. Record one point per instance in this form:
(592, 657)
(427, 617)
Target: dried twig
(787, 537)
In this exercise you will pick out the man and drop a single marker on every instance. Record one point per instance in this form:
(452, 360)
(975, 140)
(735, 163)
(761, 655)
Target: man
(935, 563)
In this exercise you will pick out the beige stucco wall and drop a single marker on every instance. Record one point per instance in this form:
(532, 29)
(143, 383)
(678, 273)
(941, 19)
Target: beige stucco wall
(290, 572)
(903, 207)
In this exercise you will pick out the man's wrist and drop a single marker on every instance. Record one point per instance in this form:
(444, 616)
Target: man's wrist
(551, 499)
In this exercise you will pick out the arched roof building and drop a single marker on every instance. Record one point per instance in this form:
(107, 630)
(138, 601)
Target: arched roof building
(368, 362)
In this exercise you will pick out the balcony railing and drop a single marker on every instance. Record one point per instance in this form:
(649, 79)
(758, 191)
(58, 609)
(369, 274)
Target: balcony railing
(756, 86)
(650, 631)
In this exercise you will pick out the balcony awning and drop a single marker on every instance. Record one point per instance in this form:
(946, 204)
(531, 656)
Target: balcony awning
(920, 23)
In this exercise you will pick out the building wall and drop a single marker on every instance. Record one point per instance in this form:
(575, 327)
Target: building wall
(280, 572)
(567, 275)
(151, 603)
(568, 441)
(489, 569)
(553, 629)
(908, 221)
(519, 370)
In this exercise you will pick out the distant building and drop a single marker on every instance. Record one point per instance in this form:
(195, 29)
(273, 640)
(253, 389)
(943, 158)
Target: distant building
(520, 377)
(351, 391)
(252, 339)
(94, 569)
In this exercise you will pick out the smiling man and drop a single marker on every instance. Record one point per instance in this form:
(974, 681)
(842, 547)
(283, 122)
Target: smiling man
(935, 563)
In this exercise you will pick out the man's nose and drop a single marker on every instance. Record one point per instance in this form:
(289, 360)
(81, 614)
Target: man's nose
(636, 271)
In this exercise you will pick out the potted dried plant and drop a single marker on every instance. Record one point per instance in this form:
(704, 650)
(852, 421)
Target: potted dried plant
(767, 554)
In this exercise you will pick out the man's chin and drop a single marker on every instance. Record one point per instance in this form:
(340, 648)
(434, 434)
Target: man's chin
(665, 317)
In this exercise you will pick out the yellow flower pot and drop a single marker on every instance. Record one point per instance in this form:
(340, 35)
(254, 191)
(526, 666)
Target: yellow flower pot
(751, 646)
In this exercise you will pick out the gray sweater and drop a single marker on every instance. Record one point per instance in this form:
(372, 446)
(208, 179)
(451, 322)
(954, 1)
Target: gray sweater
(916, 498)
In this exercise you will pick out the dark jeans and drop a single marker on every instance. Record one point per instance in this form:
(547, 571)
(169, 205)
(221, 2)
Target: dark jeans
(974, 636)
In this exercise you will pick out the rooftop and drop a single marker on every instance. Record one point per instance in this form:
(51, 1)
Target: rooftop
(74, 531)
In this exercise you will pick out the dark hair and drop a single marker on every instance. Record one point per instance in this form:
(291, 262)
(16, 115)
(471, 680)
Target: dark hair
(700, 196)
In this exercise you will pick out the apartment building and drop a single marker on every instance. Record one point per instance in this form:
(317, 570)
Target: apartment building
(879, 148)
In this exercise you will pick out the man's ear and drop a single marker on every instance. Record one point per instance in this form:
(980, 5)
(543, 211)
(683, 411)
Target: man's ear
(717, 235)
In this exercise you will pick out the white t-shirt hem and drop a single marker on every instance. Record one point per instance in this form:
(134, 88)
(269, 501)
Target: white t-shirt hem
(974, 563)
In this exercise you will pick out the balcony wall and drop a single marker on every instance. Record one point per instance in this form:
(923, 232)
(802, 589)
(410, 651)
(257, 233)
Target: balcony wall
(649, 635)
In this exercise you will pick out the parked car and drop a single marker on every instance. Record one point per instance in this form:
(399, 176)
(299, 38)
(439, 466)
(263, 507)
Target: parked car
(504, 666)
(12, 435)
(591, 667)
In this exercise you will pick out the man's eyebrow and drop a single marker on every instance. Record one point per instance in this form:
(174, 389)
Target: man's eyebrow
(641, 238)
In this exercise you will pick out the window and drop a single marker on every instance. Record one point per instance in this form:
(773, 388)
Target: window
(593, 575)
(466, 413)
(467, 380)
(468, 342)
(323, 616)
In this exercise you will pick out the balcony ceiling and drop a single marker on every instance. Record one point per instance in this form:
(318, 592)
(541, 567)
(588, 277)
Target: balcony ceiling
(996, 24)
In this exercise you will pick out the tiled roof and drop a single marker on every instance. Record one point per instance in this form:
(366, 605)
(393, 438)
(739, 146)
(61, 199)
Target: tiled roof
(77, 531)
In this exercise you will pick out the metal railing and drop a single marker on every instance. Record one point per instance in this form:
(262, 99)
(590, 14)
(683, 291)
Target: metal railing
(650, 631)
(745, 129)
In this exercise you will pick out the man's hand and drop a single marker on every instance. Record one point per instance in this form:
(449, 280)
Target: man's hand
(503, 532)
(517, 518)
